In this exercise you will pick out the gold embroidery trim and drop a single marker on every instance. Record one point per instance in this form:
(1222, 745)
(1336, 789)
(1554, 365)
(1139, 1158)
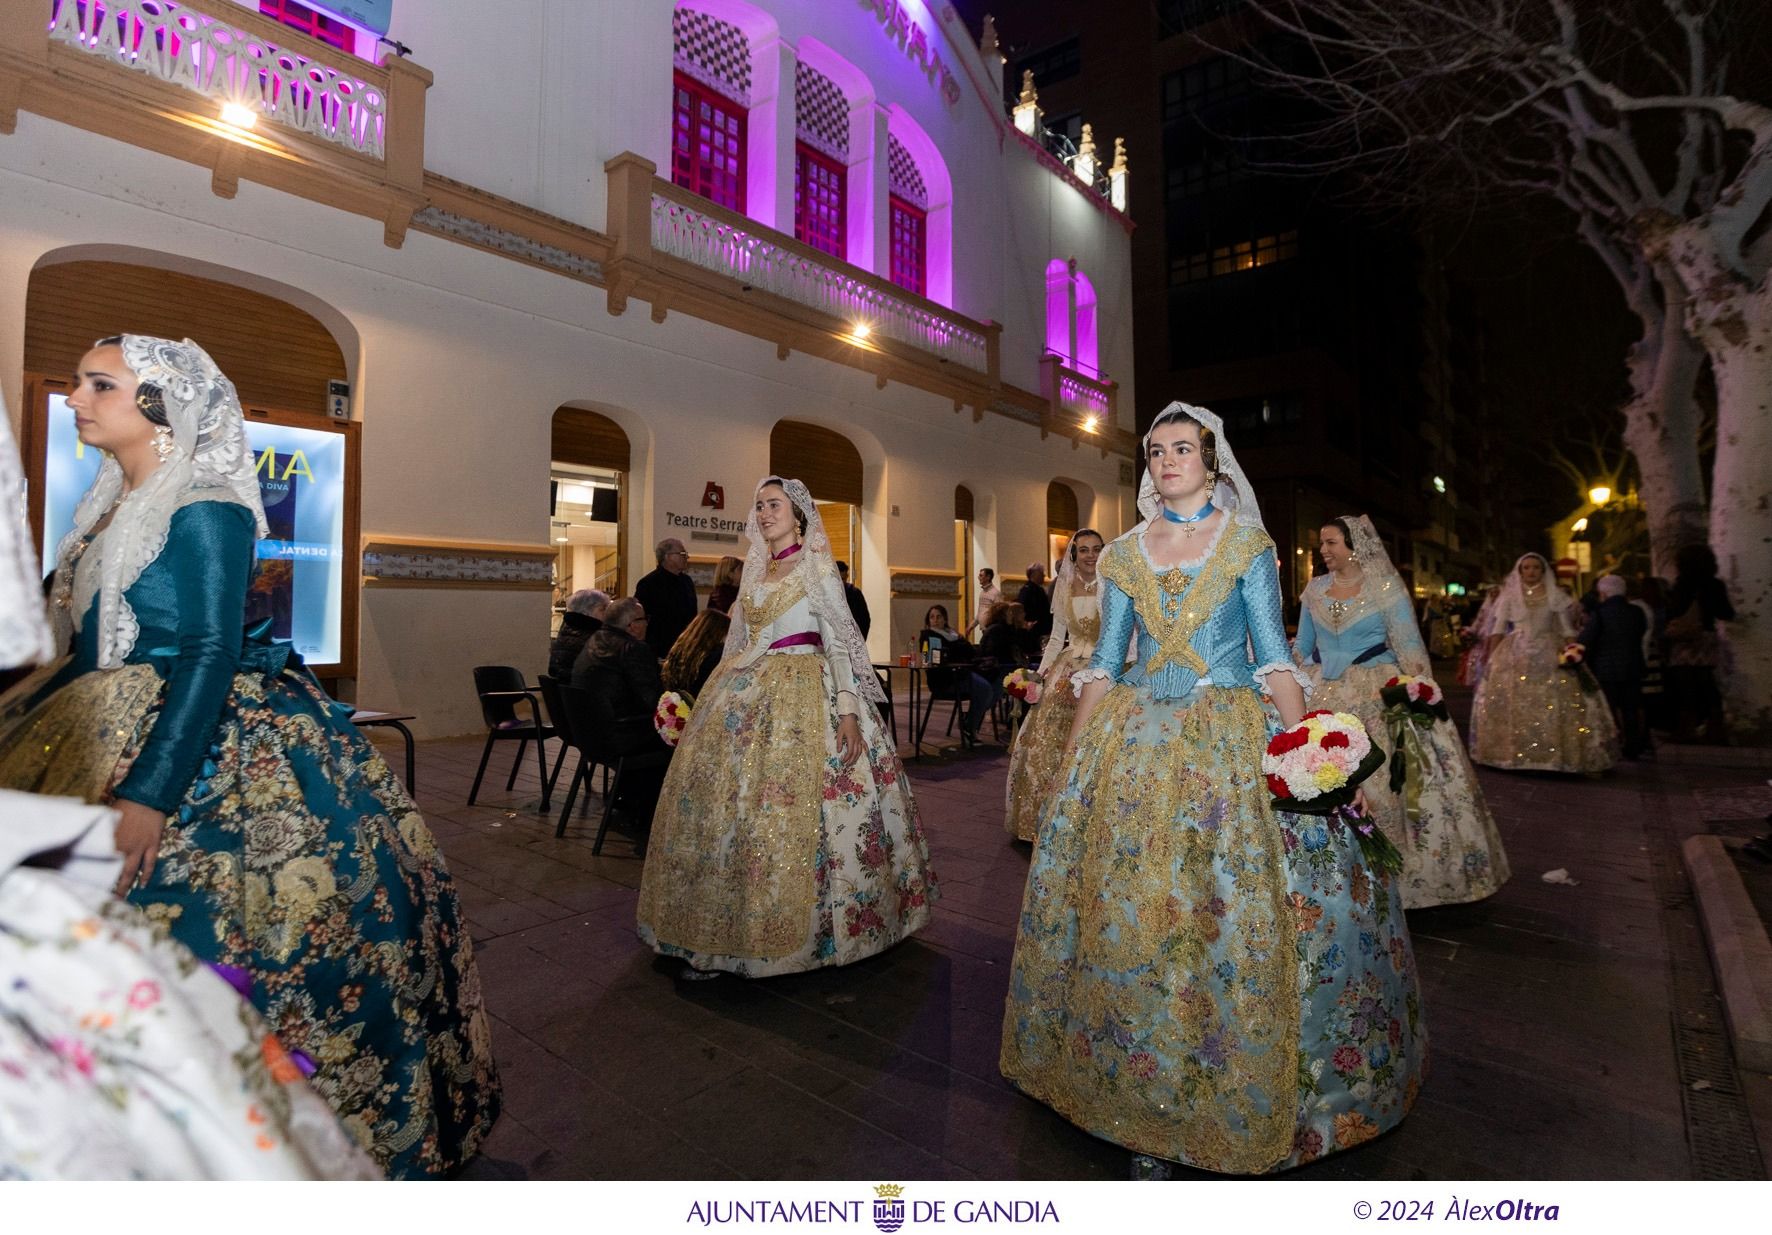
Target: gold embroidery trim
(1124, 565)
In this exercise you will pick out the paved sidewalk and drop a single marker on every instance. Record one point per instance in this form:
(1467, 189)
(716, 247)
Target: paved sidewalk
(1551, 1009)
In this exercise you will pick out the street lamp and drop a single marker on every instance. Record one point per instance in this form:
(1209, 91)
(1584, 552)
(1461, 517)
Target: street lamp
(1579, 526)
(1599, 495)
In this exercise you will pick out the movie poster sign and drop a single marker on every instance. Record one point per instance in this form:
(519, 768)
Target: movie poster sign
(300, 580)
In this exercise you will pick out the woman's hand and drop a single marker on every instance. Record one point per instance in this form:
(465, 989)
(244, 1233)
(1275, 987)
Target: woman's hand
(849, 740)
(138, 839)
(1360, 803)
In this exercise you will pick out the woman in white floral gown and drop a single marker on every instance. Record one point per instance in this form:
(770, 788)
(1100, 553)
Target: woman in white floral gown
(786, 836)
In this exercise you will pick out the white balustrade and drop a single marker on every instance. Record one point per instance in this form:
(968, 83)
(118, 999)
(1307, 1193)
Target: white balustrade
(221, 60)
(717, 243)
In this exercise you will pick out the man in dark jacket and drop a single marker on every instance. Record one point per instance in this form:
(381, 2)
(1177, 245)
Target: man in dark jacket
(1036, 605)
(1613, 638)
(858, 604)
(582, 619)
(620, 673)
(668, 595)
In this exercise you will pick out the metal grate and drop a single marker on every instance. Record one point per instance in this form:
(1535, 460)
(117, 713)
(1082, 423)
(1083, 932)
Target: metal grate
(1719, 1130)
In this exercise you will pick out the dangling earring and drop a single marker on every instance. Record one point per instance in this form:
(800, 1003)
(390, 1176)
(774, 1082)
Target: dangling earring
(163, 443)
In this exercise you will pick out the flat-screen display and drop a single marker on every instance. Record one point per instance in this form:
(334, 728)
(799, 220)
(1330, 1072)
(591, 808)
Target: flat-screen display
(301, 478)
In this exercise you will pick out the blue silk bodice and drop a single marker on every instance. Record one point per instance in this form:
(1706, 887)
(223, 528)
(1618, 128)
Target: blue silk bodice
(1338, 634)
(1193, 624)
(190, 604)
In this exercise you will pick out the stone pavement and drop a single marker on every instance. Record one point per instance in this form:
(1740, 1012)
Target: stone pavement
(1552, 1010)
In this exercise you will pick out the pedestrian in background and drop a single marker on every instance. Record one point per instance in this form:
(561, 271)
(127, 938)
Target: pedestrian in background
(1613, 639)
(582, 619)
(668, 594)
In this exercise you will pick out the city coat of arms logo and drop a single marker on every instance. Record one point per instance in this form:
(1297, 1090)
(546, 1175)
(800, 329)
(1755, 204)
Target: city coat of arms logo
(888, 1207)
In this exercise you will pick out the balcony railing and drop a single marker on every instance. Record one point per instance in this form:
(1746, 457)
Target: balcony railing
(693, 229)
(235, 59)
(1075, 396)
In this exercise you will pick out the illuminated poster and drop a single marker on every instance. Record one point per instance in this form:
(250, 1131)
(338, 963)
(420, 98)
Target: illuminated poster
(371, 15)
(301, 477)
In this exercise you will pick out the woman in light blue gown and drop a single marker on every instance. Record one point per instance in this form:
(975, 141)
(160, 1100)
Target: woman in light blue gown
(1197, 976)
(1356, 631)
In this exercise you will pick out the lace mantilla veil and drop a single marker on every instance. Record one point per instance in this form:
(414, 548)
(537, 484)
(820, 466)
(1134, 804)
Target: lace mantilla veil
(1376, 568)
(210, 460)
(24, 626)
(824, 590)
(1062, 586)
(1232, 494)
(1510, 606)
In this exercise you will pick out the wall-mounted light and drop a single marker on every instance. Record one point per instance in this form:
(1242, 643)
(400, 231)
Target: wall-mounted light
(1599, 495)
(1090, 423)
(859, 332)
(1579, 526)
(239, 115)
(1439, 484)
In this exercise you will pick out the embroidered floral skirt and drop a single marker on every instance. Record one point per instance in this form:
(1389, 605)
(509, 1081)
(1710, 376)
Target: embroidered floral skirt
(124, 1057)
(1532, 715)
(768, 856)
(297, 857)
(1452, 851)
(1033, 763)
(1195, 976)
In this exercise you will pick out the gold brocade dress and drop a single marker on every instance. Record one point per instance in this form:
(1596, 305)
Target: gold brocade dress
(1530, 714)
(768, 855)
(1033, 763)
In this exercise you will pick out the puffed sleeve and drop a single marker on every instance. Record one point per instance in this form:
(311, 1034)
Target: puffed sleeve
(843, 680)
(1260, 588)
(1404, 636)
(1109, 660)
(209, 551)
(1305, 646)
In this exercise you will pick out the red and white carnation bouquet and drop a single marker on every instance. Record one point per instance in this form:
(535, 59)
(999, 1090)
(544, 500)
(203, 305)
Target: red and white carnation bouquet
(671, 717)
(1315, 768)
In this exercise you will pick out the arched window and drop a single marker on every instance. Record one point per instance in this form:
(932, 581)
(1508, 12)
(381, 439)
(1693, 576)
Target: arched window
(908, 201)
(710, 99)
(821, 157)
(1071, 331)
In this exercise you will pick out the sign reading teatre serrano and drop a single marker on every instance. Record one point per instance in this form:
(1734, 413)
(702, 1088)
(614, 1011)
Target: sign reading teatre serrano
(702, 523)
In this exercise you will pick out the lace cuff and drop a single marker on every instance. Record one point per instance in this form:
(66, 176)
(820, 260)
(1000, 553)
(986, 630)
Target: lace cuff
(1083, 677)
(1278, 666)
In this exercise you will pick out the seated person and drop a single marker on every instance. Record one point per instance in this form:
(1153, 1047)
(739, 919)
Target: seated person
(582, 619)
(954, 677)
(1004, 640)
(696, 653)
(619, 672)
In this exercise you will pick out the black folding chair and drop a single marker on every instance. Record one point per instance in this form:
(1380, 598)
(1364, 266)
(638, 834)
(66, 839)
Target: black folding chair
(593, 749)
(501, 689)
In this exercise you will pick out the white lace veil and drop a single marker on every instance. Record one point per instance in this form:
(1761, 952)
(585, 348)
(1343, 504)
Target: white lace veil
(1061, 597)
(24, 626)
(1232, 494)
(1376, 568)
(210, 458)
(1510, 606)
(824, 590)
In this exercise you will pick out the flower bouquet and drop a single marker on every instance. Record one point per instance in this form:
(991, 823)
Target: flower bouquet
(1023, 685)
(1411, 706)
(671, 716)
(1315, 767)
(1573, 657)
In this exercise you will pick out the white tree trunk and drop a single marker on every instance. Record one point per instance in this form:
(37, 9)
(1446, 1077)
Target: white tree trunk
(1661, 430)
(1738, 336)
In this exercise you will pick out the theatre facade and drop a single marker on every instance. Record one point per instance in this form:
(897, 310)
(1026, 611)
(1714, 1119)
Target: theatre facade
(521, 288)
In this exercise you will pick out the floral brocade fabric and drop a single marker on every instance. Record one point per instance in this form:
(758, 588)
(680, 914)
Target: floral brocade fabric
(1452, 853)
(768, 855)
(297, 857)
(1199, 978)
(1034, 761)
(1529, 714)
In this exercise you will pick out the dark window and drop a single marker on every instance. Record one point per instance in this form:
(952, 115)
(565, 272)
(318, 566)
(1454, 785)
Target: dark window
(818, 201)
(1200, 88)
(317, 25)
(909, 246)
(1176, 16)
(1205, 172)
(1050, 66)
(707, 144)
(1264, 420)
(1233, 258)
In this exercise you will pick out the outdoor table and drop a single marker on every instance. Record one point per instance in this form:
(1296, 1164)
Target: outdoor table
(366, 718)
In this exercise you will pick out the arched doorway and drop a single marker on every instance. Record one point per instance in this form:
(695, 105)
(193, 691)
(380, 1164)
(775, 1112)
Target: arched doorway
(1062, 521)
(830, 467)
(963, 518)
(284, 363)
(588, 467)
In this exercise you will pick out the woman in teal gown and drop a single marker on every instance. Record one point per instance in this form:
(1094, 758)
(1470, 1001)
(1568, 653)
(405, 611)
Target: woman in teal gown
(1197, 976)
(1356, 631)
(258, 827)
